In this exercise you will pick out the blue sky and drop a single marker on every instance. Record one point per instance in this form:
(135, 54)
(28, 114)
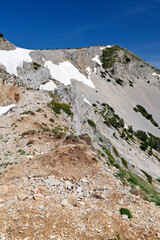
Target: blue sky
(134, 25)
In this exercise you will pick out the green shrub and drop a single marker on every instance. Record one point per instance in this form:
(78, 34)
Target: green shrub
(130, 83)
(57, 107)
(91, 123)
(1, 35)
(119, 81)
(145, 114)
(36, 65)
(144, 146)
(126, 212)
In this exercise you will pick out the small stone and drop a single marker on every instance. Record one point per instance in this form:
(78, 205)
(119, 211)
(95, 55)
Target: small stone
(56, 182)
(84, 180)
(7, 189)
(38, 196)
(38, 190)
(41, 207)
(68, 185)
(120, 201)
(22, 196)
(2, 200)
(64, 203)
(25, 179)
(124, 216)
(79, 190)
(109, 213)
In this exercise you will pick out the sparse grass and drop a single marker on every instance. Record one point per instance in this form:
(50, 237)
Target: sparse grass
(39, 110)
(149, 178)
(27, 112)
(149, 192)
(29, 132)
(124, 162)
(111, 159)
(57, 107)
(115, 151)
(6, 164)
(8, 154)
(22, 152)
(46, 129)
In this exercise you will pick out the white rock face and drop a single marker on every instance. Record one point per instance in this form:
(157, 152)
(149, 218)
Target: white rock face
(14, 58)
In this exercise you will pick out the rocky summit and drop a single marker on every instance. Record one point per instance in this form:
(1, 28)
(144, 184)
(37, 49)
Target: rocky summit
(79, 144)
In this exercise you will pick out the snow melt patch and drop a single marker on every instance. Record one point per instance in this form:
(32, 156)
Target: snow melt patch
(49, 86)
(66, 71)
(155, 74)
(87, 101)
(6, 109)
(14, 58)
(96, 59)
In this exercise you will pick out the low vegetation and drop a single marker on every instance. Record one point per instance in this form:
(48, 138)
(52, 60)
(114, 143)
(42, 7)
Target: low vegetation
(148, 140)
(28, 112)
(57, 107)
(126, 212)
(91, 123)
(146, 189)
(109, 56)
(145, 114)
(36, 65)
(119, 81)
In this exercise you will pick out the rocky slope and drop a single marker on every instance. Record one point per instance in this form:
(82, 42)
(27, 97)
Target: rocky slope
(69, 157)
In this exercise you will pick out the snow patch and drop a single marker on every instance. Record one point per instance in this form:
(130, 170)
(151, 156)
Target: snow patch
(14, 58)
(6, 109)
(87, 101)
(95, 70)
(88, 69)
(108, 46)
(49, 86)
(96, 59)
(66, 71)
(155, 74)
